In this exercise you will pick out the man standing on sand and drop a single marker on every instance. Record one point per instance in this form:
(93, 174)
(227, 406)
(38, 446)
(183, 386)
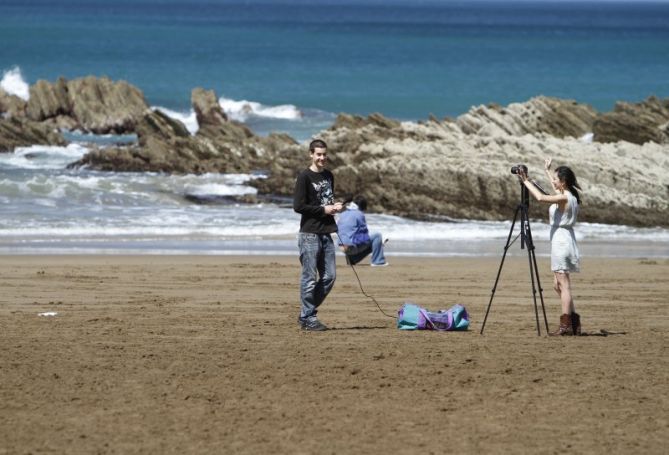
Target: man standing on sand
(314, 200)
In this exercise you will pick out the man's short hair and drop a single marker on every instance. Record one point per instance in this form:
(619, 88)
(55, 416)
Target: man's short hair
(317, 144)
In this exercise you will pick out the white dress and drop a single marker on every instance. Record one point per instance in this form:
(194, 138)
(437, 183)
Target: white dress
(564, 250)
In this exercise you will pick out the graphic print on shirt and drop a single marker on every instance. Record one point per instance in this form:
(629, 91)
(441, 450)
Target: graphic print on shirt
(324, 192)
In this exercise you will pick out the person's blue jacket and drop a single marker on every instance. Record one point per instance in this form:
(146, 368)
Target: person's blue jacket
(353, 227)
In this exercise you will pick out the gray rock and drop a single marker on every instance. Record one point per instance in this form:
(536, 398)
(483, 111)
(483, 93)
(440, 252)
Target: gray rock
(557, 117)
(11, 105)
(96, 105)
(48, 100)
(165, 145)
(102, 106)
(638, 123)
(20, 132)
(427, 170)
(207, 109)
(433, 171)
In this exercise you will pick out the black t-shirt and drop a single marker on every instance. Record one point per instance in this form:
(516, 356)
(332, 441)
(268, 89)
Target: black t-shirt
(313, 191)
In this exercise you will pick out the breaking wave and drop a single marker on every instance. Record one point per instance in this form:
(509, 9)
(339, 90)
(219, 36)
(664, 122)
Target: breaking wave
(13, 83)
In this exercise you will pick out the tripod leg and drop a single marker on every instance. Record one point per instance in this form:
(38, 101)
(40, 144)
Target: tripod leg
(536, 273)
(527, 237)
(499, 271)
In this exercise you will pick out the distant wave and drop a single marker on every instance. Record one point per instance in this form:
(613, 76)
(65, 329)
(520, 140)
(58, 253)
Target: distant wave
(262, 118)
(242, 110)
(13, 83)
(189, 119)
(42, 157)
(213, 190)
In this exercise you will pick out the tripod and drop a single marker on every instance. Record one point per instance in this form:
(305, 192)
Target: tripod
(525, 239)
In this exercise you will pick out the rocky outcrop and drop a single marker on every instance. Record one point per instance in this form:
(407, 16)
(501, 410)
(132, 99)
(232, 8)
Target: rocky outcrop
(96, 105)
(358, 121)
(48, 101)
(638, 123)
(434, 170)
(207, 109)
(19, 132)
(554, 116)
(11, 105)
(165, 145)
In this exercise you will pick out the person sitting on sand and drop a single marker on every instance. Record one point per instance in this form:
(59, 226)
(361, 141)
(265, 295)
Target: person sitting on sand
(354, 235)
(564, 250)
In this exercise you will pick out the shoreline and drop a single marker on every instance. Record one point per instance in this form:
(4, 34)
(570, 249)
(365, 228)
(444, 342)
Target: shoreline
(288, 247)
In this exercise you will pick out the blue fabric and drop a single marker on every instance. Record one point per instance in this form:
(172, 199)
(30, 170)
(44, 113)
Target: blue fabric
(317, 256)
(410, 317)
(352, 227)
(413, 317)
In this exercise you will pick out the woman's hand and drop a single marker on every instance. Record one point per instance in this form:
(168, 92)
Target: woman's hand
(547, 164)
(522, 175)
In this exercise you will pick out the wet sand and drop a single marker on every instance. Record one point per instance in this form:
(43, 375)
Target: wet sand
(202, 354)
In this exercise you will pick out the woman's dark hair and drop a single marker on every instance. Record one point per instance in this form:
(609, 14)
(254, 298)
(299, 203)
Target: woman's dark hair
(566, 175)
(361, 202)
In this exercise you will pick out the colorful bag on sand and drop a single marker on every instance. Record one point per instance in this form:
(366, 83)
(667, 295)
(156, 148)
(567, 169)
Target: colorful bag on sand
(413, 317)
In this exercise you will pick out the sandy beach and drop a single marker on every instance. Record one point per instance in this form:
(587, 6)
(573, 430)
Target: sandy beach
(194, 354)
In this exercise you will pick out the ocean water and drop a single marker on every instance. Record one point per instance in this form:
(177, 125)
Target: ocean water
(313, 59)
(48, 209)
(291, 66)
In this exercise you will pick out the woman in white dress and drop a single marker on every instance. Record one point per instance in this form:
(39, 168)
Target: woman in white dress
(564, 250)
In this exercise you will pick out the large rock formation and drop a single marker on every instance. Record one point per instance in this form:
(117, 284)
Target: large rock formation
(19, 132)
(208, 111)
(434, 170)
(637, 123)
(165, 145)
(557, 117)
(429, 170)
(11, 105)
(96, 105)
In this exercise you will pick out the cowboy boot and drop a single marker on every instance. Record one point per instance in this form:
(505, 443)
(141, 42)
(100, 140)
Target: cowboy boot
(565, 327)
(576, 323)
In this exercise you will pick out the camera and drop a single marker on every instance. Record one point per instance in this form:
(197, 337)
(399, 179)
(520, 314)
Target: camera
(519, 168)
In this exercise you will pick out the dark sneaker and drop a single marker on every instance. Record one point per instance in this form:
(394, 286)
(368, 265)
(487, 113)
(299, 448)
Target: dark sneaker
(301, 322)
(314, 326)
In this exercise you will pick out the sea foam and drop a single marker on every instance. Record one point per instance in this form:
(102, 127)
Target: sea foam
(242, 110)
(42, 156)
(217, 190)
(13, 83)
(189, 119)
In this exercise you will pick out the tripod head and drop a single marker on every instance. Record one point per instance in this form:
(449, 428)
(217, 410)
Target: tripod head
(524, 209)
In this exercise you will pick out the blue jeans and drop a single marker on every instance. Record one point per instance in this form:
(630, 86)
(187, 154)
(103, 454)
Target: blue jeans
(317, 256)
(357, 253)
